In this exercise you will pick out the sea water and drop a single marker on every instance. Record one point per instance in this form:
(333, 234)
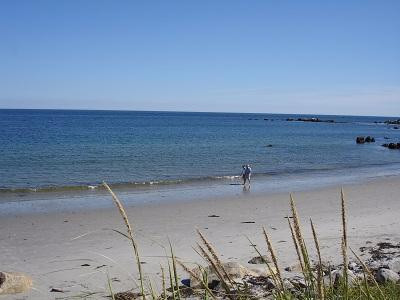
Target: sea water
(74, 150)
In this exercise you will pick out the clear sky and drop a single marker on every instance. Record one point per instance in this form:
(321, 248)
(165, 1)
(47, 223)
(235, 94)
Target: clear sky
(330, 57)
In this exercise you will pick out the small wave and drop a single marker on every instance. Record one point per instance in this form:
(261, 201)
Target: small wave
(171, 182)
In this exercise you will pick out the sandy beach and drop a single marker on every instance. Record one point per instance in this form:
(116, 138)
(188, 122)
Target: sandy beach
(74, 251)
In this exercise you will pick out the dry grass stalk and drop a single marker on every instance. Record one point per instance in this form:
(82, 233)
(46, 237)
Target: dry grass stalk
(300, 240)
(296, 246)
(164, 288)
(369, 273)
(194, 275)
(270, 270)
(171, 281)
(174, 271)
(153, 293)
(216, 268)
(274, 259)
(320, 282)
(344, 244)
(130, 234)
(215, 256)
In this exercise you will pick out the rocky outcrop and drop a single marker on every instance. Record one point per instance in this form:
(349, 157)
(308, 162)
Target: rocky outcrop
(392, 146)
(14, 283)
(362, 139)
(314, 120)
(392, 122)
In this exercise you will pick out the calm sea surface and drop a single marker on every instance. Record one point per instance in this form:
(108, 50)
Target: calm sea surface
(65, 149)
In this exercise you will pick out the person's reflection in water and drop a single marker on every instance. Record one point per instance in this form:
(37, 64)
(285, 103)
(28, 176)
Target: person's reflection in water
(246, 189)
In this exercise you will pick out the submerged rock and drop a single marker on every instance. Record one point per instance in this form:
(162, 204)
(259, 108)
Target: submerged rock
(14, 283)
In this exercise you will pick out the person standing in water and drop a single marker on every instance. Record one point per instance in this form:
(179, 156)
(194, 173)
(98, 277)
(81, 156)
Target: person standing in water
(246, 173)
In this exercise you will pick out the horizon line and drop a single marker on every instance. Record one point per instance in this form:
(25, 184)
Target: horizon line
(189, 111)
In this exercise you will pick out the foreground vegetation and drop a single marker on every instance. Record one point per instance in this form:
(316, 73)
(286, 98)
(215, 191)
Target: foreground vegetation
(318, 281)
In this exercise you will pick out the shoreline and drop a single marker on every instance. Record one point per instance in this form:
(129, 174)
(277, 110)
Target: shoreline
(196, 190)
(75, 250)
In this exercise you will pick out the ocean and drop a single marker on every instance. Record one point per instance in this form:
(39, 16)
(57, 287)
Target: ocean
(76, 150)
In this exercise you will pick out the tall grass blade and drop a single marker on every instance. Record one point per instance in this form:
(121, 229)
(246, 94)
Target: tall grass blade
(178, 293)
(344, 247)
(320, 282)
(130, 234)
(110, 287)
(274, 259)
(215, 256)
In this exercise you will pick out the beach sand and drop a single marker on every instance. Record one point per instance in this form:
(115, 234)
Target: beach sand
(74, 251)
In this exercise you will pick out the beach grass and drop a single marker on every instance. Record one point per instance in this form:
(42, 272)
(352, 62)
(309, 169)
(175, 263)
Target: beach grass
(318, 281)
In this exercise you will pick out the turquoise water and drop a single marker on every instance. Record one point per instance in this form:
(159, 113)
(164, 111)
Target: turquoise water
(67, 150)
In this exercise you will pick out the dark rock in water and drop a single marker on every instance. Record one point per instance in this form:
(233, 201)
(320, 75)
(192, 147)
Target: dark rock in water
(395, 127)
(392, 145)
(369, 139)
(309, 120)
(360, 140)
(392, 122)
(386, 138)
(386, 275)
(269, 145)
(314, 120)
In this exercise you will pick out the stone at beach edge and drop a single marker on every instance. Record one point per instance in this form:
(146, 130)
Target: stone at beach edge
(259, 260)
(386, 275)
(235, 271)
(14, 283)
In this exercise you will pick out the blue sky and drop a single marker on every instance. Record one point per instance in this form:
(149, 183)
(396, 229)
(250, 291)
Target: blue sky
(341, 57)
